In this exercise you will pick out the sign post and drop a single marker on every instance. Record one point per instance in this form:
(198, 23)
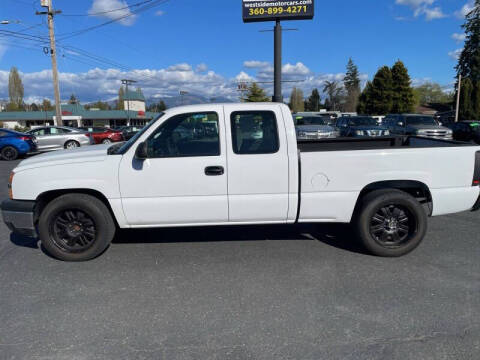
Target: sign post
(277, 10)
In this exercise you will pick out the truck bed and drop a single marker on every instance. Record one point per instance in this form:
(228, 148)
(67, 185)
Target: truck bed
(352, 143)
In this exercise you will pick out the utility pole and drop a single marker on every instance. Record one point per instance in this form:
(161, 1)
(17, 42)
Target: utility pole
(53, 51)
(127, 82)
(458, 97)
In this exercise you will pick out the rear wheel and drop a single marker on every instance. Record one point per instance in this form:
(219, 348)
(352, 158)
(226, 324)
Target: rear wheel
(9, 153)
(390, 223)
(76, 227)
(71, 144)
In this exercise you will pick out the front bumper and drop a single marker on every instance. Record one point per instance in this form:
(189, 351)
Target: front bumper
(19, 216)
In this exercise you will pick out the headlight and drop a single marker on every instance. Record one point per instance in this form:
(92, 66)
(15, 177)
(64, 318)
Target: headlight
(301, 134)
(386, 132)
(335, 134)
(360, 132)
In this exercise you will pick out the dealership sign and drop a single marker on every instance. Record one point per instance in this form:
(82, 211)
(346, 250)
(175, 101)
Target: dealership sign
(271, 10)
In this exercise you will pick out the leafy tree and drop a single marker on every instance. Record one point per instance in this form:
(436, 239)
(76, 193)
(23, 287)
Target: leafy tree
(73, 99)
(403, 96)
(256, 94)
(352, 86)
(296, 100)
(121, 97)
(334, 92)
(98, 105)
(162, 106)
(157, 107)
(47, 105)
(431, 93)
(382, 92)
(15, 90)
(313, 101)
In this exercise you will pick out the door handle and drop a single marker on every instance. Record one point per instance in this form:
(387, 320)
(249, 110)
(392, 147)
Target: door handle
(214, 170)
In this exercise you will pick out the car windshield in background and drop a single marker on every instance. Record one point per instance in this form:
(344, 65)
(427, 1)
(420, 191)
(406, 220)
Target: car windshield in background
(362, 121)
(421, 120)
(122, 148)
(311, 120)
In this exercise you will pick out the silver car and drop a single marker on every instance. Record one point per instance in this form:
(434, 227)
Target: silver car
(314, 127)
(60, 137)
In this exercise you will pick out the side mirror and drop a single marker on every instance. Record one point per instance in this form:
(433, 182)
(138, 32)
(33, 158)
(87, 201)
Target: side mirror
(141, 153)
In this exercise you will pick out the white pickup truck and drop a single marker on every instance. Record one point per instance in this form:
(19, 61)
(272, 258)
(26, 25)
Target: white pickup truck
(240, 164)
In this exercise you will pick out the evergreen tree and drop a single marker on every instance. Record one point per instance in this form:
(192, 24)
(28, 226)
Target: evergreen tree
(73, 99)
(365, 106)
(256, 94)
(121, 97)
(382, 92)
(47, 105)
(313, 101)
(466, 105)
(403, 96)
(352, 85)
(297, 103)
(15, 90)
(162, 106)
(469, 66)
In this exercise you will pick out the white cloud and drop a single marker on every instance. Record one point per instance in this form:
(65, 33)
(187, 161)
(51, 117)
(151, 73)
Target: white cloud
(467, 8)
(458, 37)
(160, 13)
(423, 7)
(113, 9)
(184, 67)
(455, 54)
(255, 64)
(201, 67)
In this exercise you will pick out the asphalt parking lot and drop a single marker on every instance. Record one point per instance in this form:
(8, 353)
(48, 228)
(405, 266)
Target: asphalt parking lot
(238, 293)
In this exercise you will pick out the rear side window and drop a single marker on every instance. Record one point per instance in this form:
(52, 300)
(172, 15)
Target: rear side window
(3, 133)
(254, 132)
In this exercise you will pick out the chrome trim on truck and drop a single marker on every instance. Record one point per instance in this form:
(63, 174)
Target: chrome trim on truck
(19, 216)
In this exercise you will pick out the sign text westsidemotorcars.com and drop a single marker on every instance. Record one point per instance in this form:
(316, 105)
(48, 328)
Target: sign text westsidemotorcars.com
(270, 10)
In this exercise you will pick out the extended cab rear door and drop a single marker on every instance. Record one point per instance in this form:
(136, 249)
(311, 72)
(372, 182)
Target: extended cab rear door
(258, 164)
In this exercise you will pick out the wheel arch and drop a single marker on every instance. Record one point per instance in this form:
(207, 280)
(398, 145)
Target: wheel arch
(417, 189)
(46, 197)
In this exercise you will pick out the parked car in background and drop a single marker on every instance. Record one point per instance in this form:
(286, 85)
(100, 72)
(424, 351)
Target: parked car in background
(417, 125)
(359, 126)
(313, 127)
(465, 130)
(103, 135)
(14, 144)
(60, 137)
(129, 131)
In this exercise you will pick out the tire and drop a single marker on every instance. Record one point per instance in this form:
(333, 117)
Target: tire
(71, 144)
(9, 153)
(76, 227)
(106, 141)
(390, 223)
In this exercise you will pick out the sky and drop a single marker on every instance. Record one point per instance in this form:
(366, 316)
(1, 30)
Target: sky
(204, 47)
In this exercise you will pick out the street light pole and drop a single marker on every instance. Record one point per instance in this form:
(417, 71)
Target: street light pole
(458, 97)
(277, 71)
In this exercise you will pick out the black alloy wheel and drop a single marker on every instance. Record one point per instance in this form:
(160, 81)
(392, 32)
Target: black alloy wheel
(392, 226)
(73, 230)
(9, 153)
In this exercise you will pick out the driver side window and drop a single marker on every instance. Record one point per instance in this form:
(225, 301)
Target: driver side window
(194, 134)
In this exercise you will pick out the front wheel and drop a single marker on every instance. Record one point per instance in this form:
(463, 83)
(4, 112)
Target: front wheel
(9, 153)
(390, 223)
(72, 144)
(76, 227)
(106, 141)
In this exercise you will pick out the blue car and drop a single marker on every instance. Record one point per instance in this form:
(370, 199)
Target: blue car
(13, 144)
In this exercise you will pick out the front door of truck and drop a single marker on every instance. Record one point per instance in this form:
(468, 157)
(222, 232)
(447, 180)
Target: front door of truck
(258, 167)
(183, 181)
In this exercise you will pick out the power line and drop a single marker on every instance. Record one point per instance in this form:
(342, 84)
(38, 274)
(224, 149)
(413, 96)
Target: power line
(110, 11)
(132, 13)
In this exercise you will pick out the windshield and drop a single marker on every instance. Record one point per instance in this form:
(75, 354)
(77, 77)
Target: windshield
(421, 120)
(311, 120)
(362, 121)
(122, 148)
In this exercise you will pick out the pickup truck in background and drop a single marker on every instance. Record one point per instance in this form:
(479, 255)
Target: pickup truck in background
(248, 169)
